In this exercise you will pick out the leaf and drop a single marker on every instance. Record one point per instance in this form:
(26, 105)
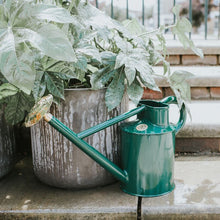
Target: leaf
(135, 91)
(17, 27)
(123, 44)
(50, 40)
(180, 86)
(115, 91)
(18, 69)
(64, 70)
(133, 26)
(39, 86)
(51, 13)
(55, 86)
(81, 63)
(89, 51)
(100, 78)
(108, 58)
(17, 106)
(7, 90)
(181, 27)
(92, 69)
(130, 73)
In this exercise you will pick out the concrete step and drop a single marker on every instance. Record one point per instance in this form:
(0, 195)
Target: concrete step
(204, 76)
(209, 47)
(196, 196)
(201, 133)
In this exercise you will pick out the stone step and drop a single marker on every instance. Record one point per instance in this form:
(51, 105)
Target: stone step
(209, 47)
(204, 76)
(201, 133)
(196, 196)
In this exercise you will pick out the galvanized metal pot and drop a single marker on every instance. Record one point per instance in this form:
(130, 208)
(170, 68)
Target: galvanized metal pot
(7, 147)
(60, 163)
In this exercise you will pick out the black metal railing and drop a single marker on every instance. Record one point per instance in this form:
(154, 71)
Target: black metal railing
(203, 14)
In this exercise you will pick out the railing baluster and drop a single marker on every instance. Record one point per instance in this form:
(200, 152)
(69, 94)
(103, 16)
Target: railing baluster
(143, 12)
(158, 13)
(219, 20)
(206, 18)
(190, 15)
(174, 18)
(127, 12)
(96, 3)
(112, 9)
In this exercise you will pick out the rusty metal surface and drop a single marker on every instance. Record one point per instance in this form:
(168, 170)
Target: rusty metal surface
(58, 162)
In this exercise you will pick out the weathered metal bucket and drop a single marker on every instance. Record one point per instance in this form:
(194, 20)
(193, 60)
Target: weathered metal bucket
(60, 163)
(7, 147)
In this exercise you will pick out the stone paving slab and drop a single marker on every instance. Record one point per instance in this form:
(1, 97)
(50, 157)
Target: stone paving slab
(196, 196)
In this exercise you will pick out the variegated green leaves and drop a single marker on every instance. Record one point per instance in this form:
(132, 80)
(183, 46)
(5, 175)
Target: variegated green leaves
(24, 25)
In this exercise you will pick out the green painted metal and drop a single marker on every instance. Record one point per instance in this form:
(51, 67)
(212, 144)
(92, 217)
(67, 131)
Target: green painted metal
(127, 10)
(206, 18)
(158, 13)
(143, 16)
(112, 9)
(174, 18)
(148, 146)
(96, 3)
(190, 15)
(219, 22)
(89, 150)
(110, 122)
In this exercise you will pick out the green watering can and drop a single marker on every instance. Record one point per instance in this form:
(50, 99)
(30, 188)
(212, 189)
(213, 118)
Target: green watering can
(148, 145)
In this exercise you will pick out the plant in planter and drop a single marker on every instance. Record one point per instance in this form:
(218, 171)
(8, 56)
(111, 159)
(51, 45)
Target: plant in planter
(105, 55)
(25, 32)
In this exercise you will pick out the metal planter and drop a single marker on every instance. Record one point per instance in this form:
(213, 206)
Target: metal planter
(7, 147)
(58, 162)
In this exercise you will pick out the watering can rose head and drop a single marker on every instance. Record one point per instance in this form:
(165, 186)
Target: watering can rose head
(39, 110)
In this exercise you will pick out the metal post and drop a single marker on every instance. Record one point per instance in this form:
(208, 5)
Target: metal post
(96, 3)
(206, 18)
(127, 12)
(219, 21)
(143, 12)
(174, 18)
(158, 13)
(190, 15)
(112, 9)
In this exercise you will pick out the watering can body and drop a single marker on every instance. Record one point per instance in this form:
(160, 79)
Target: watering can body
(148, 149)
(148, 146)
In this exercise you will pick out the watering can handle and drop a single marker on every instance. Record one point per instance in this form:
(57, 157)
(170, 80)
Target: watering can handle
(182, 118)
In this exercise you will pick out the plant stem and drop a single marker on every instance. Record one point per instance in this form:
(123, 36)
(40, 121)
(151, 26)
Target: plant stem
(154, 31)
(71, 5)
(98, 45)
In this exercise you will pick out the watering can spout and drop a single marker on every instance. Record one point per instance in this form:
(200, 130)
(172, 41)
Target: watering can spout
(120, 174)
(40, 110)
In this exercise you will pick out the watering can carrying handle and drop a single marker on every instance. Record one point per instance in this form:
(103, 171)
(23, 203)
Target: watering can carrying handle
(182, 118)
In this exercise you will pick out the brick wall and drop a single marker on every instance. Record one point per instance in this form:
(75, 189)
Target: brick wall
(189, 60)
(194, 60)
